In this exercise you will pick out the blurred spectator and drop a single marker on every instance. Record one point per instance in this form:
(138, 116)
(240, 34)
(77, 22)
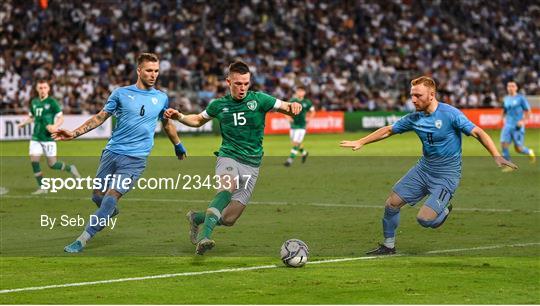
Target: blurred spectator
(352, 55)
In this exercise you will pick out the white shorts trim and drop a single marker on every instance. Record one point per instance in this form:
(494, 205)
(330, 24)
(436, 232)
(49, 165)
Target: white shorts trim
(38, 148)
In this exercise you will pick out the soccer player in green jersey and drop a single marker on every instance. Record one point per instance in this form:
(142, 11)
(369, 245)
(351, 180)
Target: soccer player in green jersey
(47, 116)
(298, 125)
(241, 116)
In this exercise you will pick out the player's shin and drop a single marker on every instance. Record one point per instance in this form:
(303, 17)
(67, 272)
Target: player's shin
(102, 215)
(506, 153)
(61, 166)
(199, 217)
(37, 172)
(294, 152)
(390, 223)
(213, 213)
(97, 198)
(524, 150)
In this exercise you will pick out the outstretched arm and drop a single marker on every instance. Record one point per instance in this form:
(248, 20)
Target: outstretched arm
(194, 120)
(86, 127)
(289, 108)
(58, 121)
(26, 121)
(379, 134)
(487, 142)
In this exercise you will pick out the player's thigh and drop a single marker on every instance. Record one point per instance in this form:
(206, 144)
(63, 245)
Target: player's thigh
(232, 212)
(227, 169)
(412, 187)
(107, 166)
(247, 180)
(506, 135)
(298, 135)
(49, 147)
(441, 191)
(128, 171)
(35, 149)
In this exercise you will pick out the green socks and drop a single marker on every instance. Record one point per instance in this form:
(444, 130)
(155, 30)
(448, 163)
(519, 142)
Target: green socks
(36, 168)
(61, 166)
(199, 217)
(294, 151)
(213, 213)
(37, 172)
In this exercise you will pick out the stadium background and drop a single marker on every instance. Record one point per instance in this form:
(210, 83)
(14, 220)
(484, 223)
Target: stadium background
(356, 58)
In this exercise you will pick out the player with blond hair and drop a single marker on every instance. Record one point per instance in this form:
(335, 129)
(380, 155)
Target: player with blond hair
(437, 174)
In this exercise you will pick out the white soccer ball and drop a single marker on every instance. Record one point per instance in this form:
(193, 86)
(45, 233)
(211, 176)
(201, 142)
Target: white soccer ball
(294, 253)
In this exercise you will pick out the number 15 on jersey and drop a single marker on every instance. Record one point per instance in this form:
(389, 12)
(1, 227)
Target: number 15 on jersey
(239, 119)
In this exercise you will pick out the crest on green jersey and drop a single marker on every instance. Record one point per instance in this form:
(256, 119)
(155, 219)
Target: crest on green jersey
(47, 106)
(252, 105)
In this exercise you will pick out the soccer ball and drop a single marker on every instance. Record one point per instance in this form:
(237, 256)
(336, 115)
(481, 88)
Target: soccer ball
(294, 253)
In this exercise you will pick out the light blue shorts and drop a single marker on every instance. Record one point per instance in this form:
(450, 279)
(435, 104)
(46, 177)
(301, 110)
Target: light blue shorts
(416, 184)
(513, 134)
(118, 168)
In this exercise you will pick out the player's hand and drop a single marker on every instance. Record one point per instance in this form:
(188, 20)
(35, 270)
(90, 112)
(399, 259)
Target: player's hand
(180, 151)
(501, 162)
(519, 124)
(172, 113)
(295, 108)
(51, 128)
(61, 134)
(354, 144)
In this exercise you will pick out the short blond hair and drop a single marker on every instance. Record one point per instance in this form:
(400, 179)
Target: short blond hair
(426, 81)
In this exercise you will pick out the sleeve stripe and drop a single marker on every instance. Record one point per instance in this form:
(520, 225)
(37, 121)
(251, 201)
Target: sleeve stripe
(205, 115)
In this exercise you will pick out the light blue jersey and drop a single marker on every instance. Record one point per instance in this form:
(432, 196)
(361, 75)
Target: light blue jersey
(136, 111)
(440, 133)
(514, 107)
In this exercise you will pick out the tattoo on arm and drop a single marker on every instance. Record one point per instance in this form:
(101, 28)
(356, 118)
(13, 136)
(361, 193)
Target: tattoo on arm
(91, 123)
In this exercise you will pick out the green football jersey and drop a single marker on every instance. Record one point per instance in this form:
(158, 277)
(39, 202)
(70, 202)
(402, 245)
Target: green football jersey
(43, 112)
(299, 121)
(242, 125)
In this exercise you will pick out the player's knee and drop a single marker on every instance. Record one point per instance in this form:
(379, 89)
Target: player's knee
(393, 203)
(228, 221)
(113, 193)
(230, 189)
(425, 222)
(97, 198)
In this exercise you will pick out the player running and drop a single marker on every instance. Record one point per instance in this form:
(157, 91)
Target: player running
(137, 109)
(241, 115)
(438, 172)
(47, 116)
(298, 126)
(516, 110)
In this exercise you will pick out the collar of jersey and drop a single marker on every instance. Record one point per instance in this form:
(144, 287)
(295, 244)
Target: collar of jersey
(137, 89)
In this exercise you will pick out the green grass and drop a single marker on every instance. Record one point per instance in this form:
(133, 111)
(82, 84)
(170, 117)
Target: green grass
(333, 202)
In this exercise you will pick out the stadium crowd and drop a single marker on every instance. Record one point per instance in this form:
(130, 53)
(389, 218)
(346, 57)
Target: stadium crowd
(351, 55)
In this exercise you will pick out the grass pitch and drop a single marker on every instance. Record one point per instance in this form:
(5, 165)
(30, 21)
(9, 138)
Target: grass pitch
(487, 251)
